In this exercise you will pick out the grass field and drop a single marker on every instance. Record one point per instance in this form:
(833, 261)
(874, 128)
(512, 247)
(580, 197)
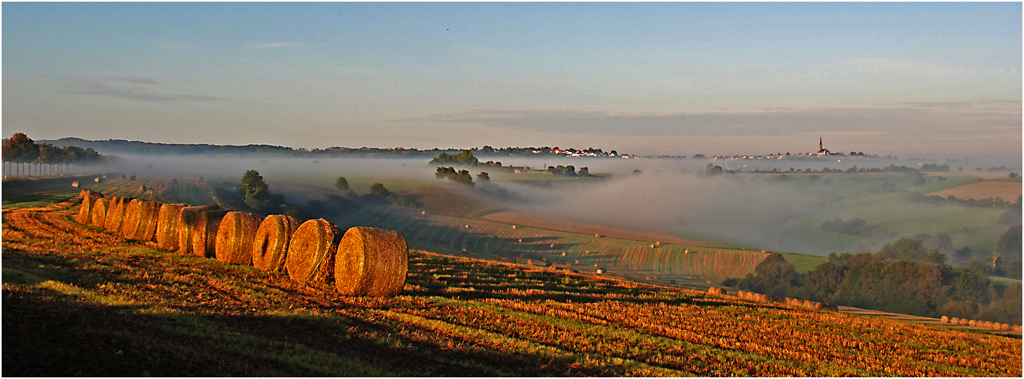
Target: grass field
(1006, 190)
(80, 301)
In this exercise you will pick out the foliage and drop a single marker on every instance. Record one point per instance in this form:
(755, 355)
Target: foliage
(459, 176)
(773, 276)
(463, 158)
(856, 227)
(910, 249)
(20, 149)
(1008, 248)
(380, 193)
(254, 191)
(341, 184)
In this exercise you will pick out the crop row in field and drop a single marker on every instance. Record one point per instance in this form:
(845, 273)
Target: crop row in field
(176, 315)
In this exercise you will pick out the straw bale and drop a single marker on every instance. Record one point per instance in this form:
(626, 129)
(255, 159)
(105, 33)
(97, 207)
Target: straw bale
(186, 225)
(972, 323)
(1004, 327)
(371, 262)
(167, 226)
(987, 324)
(808, 304)
(270, 246)
(98, 214)
(310, 257)
(954, 321)
(944, 319)
(819, 306)
(140, 220)
(88, 201)
(204, 233)
(235, 236)
(115, 214)
(74, 184)
(964, 322)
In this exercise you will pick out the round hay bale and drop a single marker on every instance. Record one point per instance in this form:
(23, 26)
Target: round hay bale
(187, 223)
(88, 202)
(713, 291)
(204, 233)
(944, 319)
(130, 221)
(115, 214)
(371, 262)
(1004, 327)
(74, 184)
(98, 214)
(954, 321)
(235, 236)
(987, 324)
(819, 306)
(808, 304)
(97, 180)
(972, 323)
(1015, 328)
(167, 226)
(270, 246)
(310, 257)
(964, 322)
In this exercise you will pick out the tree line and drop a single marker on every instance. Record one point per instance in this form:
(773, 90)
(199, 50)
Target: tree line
(45, 158)
(902, 277)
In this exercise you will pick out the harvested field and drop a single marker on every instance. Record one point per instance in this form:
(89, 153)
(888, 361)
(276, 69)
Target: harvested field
(310, 258)
(1008, 191)
(186, 226)
(167, 226)
(517, 218)
(162, 314)
(371, 262)
(270, 246)
(235, 237)
(204, 233)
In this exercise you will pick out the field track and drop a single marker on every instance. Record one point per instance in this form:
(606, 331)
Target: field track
(80, 301)
(1008, 191)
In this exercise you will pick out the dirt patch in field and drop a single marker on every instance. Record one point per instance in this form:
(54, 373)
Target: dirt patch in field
(1009, 191)
(518, 218)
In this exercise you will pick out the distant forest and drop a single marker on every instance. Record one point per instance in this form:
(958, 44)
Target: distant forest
(138, 147)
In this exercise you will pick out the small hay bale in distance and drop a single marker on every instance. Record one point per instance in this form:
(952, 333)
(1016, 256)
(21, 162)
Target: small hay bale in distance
(235, 235)
(1004, 327)
(270, 246)
(98, 214)
(371, 262)
(954, 321)
(944, 319)
(808, 304)
(167, 226)
(965, 322)
(310, 257)
(204, 233)
(187, 223)
(987, 324)
(819, 306)
(972, 323)
(74, 184)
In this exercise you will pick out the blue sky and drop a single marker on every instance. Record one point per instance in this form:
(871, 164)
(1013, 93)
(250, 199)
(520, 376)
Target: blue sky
(651, 78)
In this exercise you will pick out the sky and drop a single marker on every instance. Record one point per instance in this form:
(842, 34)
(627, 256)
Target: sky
(647, 78)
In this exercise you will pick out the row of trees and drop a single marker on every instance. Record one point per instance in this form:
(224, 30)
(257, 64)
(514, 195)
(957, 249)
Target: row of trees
(463, 158)
(44, 158)
(897, 278)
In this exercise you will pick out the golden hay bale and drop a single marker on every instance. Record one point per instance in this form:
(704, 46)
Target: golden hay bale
(972, 323)
(1015, 328)
(986, 324)
(310, 257)
(819, 306)
(167, 226)
(270, 246)
(74, 184)
(371, 262)
(204, 233)
(954, 321)
(944, 319)
(964, 322)
(115, 214)
(1004, 327)
(187, 223)
(140, 220)
(98, 214)
(235, 235)
(88, 202)
(808, 304)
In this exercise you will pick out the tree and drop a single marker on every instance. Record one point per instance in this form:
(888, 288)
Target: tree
(341, 184)
(254, 191)
(483, 176)
(773, 276)
(823, 280)
(1009, 245)
(970, 285)
(378, 189)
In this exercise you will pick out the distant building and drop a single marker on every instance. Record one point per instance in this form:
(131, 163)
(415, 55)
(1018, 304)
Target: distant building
(821, 148)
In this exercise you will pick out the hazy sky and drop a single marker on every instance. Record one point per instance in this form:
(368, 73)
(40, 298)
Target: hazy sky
(650, 78)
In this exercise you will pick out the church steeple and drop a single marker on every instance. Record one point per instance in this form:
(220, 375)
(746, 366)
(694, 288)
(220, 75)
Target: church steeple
(820, 145)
